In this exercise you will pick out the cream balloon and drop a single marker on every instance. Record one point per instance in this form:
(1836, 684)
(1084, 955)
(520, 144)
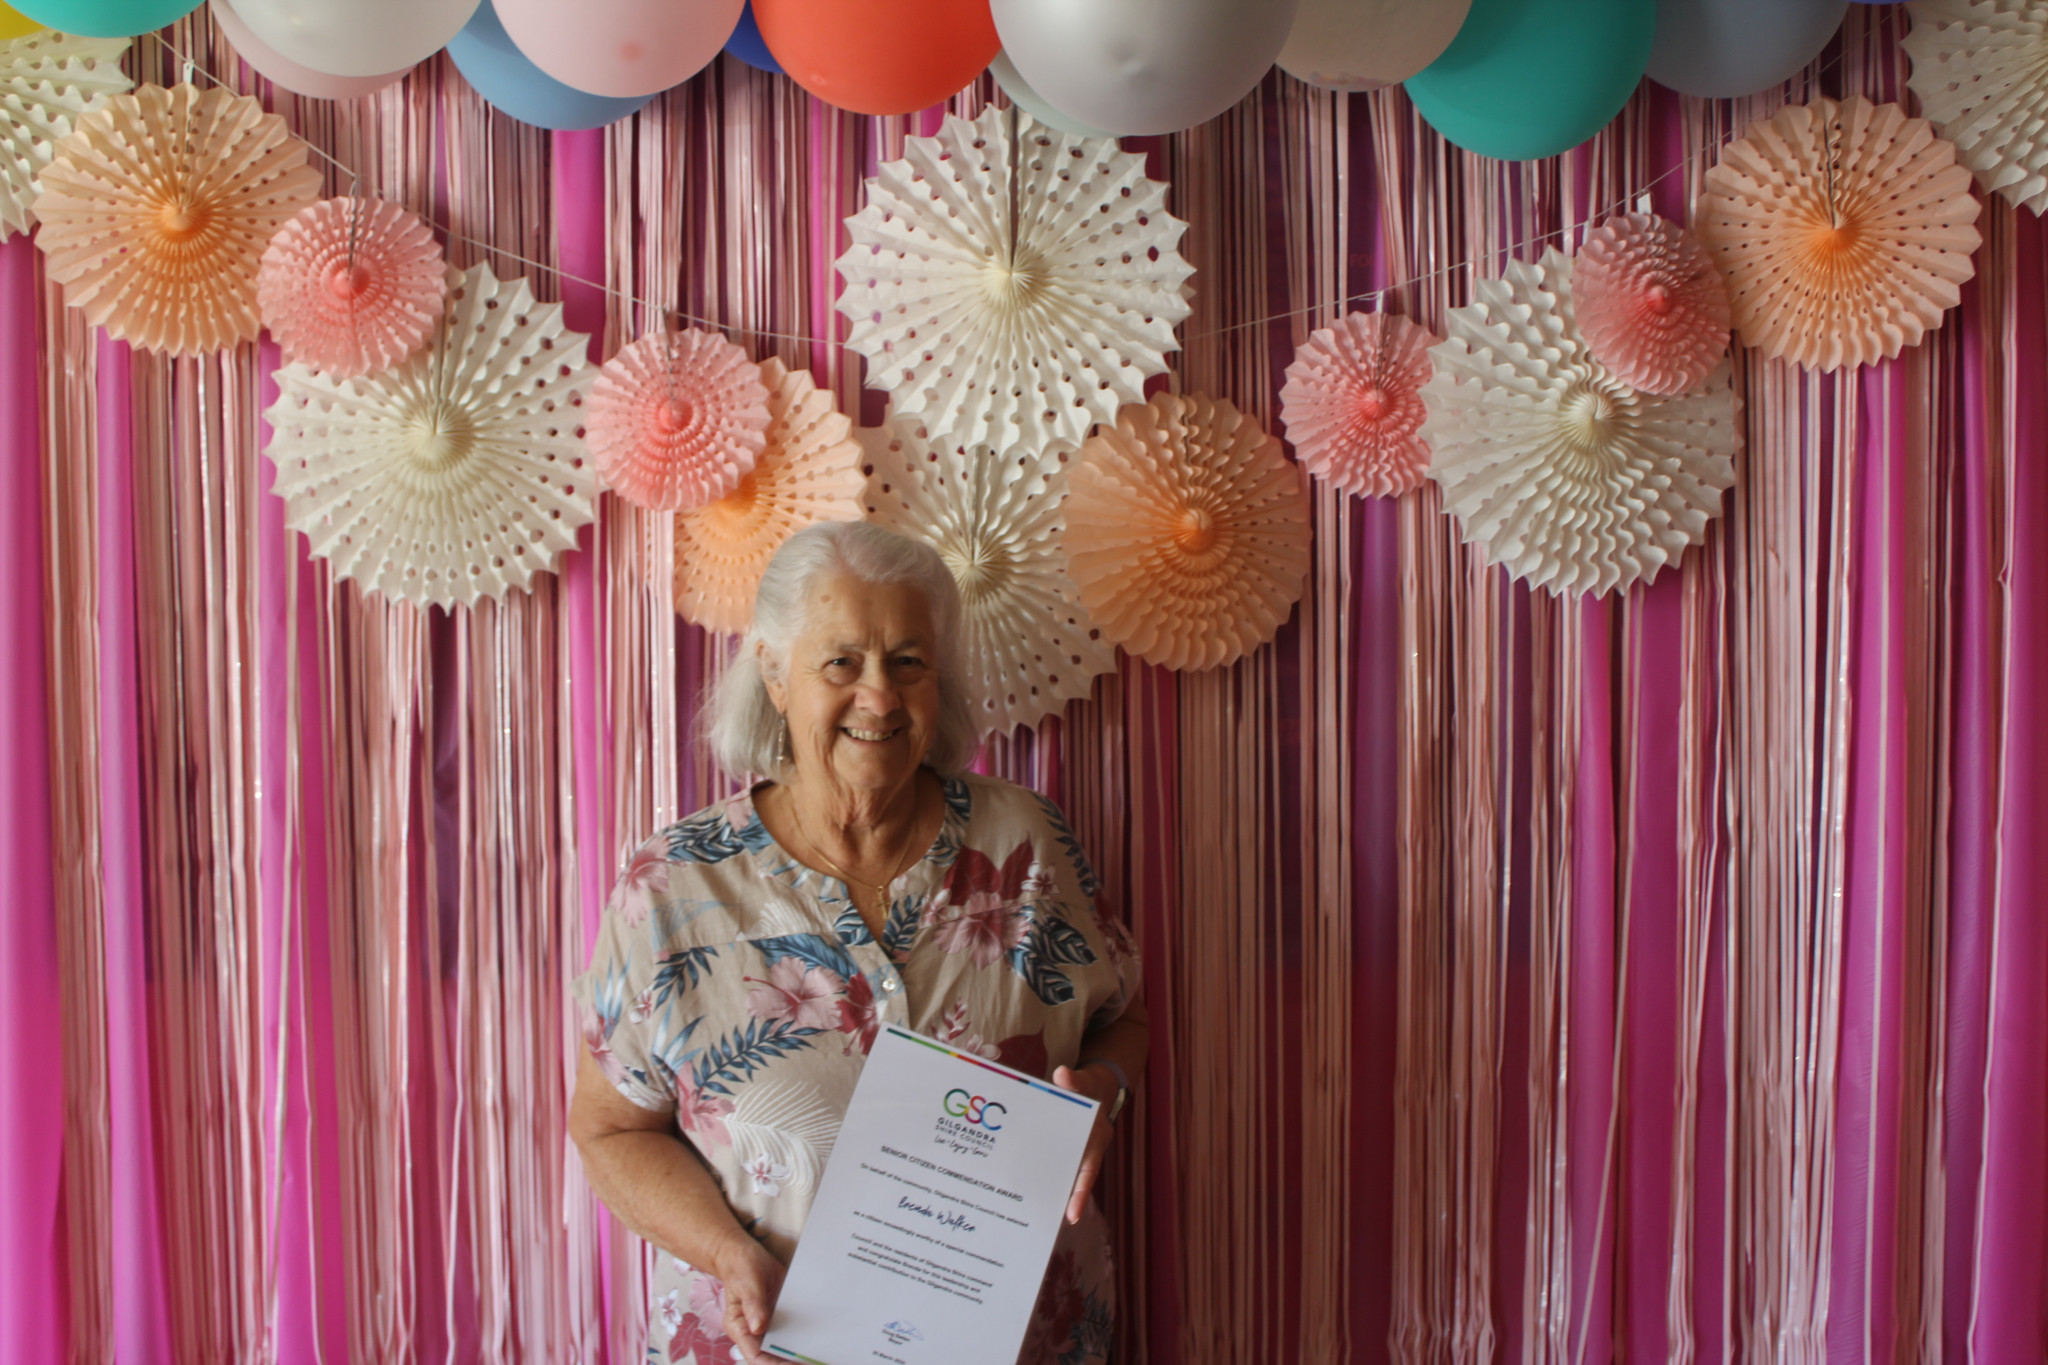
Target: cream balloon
(355, 37)
(302, 80)
(1145, 66)
(620, 48)
(1369, 44)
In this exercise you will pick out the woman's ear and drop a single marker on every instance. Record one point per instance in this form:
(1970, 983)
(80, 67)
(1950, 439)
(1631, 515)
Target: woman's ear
(771, 678)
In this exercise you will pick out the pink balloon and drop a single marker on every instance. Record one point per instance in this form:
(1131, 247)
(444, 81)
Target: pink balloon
(289, 74)
(622, 48)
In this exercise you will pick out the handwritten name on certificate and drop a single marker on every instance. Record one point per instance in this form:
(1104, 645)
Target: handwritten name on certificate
(936, 1215)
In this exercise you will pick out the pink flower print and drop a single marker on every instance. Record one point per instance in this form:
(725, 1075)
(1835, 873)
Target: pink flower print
(707, 1298)
(805, 997)
(642, 1007)
(767, 1175)
(980, 909)
(702, 1113)
(739, 812)
(955, 1029)
(858, 1015)
(599, 1042)
(646, 873)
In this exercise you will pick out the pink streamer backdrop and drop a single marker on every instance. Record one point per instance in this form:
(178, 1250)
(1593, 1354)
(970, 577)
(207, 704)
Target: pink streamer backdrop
(1620, 797)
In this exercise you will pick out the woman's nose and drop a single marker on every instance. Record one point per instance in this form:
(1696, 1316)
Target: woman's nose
(877, 689)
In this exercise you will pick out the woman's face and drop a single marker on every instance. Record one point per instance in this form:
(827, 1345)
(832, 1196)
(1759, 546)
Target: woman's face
(861, 685)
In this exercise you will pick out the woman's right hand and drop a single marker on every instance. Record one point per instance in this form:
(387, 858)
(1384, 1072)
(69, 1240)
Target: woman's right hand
(752, 1278)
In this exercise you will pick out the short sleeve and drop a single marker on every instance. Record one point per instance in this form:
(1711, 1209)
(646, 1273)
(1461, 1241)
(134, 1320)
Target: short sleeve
(621, 1004)
(1123, 983)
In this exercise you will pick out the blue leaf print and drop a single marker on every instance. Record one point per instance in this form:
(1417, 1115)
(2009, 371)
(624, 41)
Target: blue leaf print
(1064, 833)
(901, 927)
(1047, 982)
(738, 1055)
(679, 971)
(670, 1048)
(708, 837)
(609, 999)
(851, 928)
(810, 949)
(959, 797)
(1057, 941)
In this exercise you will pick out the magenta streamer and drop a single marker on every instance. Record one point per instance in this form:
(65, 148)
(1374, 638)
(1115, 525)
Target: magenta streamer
(1590, 1086)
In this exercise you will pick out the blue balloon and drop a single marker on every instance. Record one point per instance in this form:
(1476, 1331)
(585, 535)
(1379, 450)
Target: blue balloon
(106, 18)
(749, 46)
(495, 67)
(1719, 49)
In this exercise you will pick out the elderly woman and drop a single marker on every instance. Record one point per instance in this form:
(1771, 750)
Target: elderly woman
(750, 953)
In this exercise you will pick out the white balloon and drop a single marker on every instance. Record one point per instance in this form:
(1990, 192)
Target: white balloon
(1369, 44)
(1031, 102)
(1145, 66)
(355, 37)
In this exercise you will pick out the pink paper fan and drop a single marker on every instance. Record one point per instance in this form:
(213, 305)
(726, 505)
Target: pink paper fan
(1650, 304)
(351, 286)
(1352, 403)
(676, 421)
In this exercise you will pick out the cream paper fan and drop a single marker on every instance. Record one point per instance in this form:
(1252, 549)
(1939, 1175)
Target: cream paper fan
(157, 209)
(1187, 531)
(999, 523)
(1565, 475)
(1844, 231)
(1017, 338)
(455, 476)
(1980, 68)
(809, 471)
(46, 81)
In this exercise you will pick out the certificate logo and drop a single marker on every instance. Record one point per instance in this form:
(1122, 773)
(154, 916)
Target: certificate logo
(975, 1109)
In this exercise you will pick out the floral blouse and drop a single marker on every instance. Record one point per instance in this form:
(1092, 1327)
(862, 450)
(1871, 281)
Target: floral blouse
(741, 990)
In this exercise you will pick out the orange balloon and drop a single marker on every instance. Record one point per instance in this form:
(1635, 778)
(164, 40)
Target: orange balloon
(882, 56)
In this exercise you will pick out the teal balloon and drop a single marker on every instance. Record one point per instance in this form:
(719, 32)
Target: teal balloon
(106, 18)
(1532, 78)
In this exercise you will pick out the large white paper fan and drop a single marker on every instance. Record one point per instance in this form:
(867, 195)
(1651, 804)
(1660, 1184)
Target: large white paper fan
(1561, 472)
(46, 81)
(1014, 331)
(455, 476)
(1980, 68)
(999, 523)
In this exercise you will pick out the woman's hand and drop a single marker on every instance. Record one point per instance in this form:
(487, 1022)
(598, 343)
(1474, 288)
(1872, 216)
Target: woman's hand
(752, 1278)
(1097, 1084)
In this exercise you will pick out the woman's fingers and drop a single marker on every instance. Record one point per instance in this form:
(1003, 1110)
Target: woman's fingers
(752, 1281)
(1066, 1078)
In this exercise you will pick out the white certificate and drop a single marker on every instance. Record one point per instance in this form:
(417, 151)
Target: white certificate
(936, 1215)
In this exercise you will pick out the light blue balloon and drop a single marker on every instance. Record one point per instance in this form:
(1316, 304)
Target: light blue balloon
(1532, 78)
(493, 64)
(1719, 49)
(106, 18)
(749, 46)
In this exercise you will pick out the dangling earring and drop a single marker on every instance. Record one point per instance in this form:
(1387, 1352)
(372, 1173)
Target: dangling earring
(782, 744)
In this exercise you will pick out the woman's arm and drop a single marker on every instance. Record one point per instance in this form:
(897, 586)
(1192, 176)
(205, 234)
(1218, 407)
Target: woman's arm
(1123, 1041)
(652, 1182)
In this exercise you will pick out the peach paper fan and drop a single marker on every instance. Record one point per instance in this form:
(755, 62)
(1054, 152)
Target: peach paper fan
(157, 209)
(676, 420)
(1650, 303)
(999, 523)
(1980, 68)
(1187, 531)
(1016, 338)
(46, 81)
(1844, 231)
(1563, 474)
(809, 470)
(352, 285)
(455, 476)
(1352, 403)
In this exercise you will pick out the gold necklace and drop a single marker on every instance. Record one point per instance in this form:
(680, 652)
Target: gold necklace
(881, 891)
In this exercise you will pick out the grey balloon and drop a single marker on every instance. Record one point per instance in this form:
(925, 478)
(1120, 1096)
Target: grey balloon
(1723, 48)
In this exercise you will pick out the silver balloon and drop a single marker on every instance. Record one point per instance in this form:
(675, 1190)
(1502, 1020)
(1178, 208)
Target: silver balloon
(1031, 102)
(1719, 49)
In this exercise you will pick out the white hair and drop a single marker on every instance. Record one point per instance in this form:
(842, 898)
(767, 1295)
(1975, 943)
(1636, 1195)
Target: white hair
(741, 723)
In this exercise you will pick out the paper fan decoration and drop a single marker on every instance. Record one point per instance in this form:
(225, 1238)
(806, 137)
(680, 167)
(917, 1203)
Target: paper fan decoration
(1570, 478)
(352, 285)
(457, 475)
(157, 208)
(1844, 232)
(46, 81)
(676, 420)
(1352, 403)
(1980, 68)
(1650, 303)
(809, 471)
(1187, 531)
(1013, 335)
(999, 524)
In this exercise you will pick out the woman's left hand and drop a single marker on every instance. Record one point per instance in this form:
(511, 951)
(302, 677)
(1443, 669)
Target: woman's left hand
(1097, 1084)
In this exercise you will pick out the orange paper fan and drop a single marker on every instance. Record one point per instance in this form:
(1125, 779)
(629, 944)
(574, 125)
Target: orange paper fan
(1650, 304)
(675, 421)
(1187, 530)
(157, 208)
(809, 471)
(1352, 403)
(1844, 231)
(352, 285)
